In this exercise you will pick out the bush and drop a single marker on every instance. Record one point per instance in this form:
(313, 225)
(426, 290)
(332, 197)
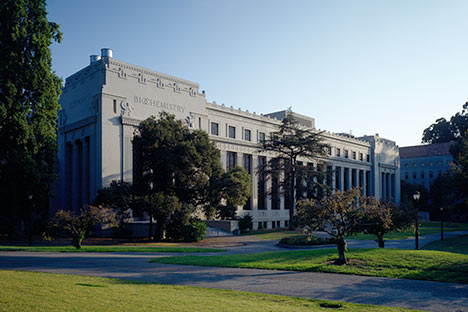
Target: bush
(245, 224)
(194, 231)
(304, 240)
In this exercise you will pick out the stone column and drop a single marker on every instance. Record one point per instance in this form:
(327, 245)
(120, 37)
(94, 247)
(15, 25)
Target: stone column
(341, 173)
(85, 171)
(75, 189)
(350, 178)
(254, 177)
(333, 177)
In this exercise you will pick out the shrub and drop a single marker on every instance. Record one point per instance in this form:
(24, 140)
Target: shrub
(305, 240)
(194, 231)
(245, 224)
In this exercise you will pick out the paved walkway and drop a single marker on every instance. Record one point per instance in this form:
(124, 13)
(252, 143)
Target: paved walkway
(422, 295)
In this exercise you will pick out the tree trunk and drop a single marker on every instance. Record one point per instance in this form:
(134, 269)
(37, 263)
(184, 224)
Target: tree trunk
(341, 251)
(77, 240)
(150, 233)
(30, 230)
(381, 241)
(158, 235)
(292, 197)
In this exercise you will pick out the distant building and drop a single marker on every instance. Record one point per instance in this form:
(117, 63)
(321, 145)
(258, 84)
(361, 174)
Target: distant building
(103, 103)
(422, 164)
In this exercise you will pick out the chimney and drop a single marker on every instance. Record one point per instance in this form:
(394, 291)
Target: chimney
(106, 52)
(94, 58)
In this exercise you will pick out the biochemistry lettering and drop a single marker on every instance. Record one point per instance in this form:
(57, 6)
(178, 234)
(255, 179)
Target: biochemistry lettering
(158, 104)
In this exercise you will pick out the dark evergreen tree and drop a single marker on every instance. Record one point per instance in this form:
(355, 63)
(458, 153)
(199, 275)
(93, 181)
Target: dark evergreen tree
(447, 130)
(173, 162)
(290, 142)
(29, 92)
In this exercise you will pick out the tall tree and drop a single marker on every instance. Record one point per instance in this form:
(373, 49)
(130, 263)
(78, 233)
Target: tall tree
(291, 142)
(447, 130)
(171, 161)
(29, 92)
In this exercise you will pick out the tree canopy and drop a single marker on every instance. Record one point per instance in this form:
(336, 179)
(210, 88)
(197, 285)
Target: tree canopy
(291, 142)
(29, 92)
(447, 130)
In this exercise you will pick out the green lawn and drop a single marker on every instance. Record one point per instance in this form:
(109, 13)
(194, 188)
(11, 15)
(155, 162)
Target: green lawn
(457, 244)
(108, 249)
(272, 234)
(428, 227)
(409, 264)
(28, 291)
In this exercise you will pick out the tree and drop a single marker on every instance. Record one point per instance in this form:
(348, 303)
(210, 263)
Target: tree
(338, 214)
(118, 196)
(445, 131)
(173, 162)
(79, 224)
(235, 188)
(29, 92)
(290, 142)
(381, 217)
(460, 172)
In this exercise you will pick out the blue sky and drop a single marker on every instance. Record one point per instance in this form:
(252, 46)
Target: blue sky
(387, 67)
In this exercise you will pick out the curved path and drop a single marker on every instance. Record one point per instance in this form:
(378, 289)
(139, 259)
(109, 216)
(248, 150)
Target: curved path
(422, 295)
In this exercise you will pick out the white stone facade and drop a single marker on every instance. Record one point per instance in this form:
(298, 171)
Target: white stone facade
(104, 102)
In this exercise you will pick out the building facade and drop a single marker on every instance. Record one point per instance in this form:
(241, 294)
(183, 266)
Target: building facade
(103, 103)
(422, 164)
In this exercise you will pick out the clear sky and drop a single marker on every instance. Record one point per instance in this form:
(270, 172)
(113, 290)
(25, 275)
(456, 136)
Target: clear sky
(387, 67)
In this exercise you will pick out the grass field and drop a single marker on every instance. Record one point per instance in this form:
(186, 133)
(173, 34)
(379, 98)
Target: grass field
(409, 264)
(273, 234)
(457, 244)
(108, 249)
(28, 291)
(428, 227)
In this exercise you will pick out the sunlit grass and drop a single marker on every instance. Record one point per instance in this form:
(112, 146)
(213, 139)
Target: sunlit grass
(108, 249)
(408, 264)
(28, 291)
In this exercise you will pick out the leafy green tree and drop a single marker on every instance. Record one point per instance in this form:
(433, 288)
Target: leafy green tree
(291, 142)
(235, 188)
(381, 217)
(460, 174)
(118, 196)
(29, 92)
(79, 224)
(173, 162)
(338, 214)
(447, 130)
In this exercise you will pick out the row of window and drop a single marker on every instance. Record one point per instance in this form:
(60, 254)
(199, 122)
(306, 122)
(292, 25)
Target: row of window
(431, 164)
(354, 154)
(274, 224)
(422, 174)
(231, 132)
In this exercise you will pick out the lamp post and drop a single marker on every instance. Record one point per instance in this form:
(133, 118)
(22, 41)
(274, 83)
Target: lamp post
(441, 223)
(416, 197)
(30, 204)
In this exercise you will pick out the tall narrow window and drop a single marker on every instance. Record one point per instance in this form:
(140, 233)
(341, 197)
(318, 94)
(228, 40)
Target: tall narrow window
(261, 182)
(214, 128)
(247, 135)
(261, 137)
(248, 168)
(231, 160)
(115, 106)
(232, 132)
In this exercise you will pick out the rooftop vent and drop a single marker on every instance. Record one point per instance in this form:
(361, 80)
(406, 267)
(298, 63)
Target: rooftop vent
(94, 58)
(106, 52)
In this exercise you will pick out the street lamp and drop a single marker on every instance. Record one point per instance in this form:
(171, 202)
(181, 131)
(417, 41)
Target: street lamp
(441, 223)
(416, 197)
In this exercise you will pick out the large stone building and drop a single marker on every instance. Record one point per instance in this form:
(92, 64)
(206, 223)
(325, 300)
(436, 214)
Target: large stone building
(422, 164)
(104, 102)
